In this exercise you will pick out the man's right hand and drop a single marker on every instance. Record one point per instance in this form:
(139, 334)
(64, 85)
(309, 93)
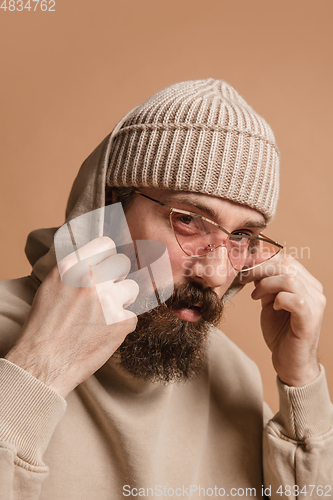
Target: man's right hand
(72, 331)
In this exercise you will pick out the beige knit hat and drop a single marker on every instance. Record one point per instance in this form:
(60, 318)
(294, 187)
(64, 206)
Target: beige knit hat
(198, 136)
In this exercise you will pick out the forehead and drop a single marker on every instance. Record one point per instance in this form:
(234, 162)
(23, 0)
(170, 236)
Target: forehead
(218, 209)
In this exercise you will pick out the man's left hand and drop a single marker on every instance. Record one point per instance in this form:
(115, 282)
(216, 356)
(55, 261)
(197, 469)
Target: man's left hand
(292, 309)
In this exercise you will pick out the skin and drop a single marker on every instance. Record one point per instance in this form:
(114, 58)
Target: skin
(65, 339)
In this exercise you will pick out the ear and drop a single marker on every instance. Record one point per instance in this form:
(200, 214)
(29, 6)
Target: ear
(110, 196)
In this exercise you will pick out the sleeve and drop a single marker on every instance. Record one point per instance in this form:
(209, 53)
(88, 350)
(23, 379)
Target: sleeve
(29, 413)
(298, 443)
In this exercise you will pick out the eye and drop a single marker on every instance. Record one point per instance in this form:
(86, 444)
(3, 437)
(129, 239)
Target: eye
(186, 224)
(239, 235)
(185, 219)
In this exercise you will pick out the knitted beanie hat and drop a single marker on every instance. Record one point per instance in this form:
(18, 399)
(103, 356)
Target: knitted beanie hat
(198, 136)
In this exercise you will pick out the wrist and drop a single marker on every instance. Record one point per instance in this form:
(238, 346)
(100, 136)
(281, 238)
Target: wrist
(40, 368)
(300, 378)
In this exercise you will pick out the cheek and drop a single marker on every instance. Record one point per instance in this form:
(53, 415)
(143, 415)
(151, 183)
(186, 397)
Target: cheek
(181, 264)
(145, 227)
(143, 231)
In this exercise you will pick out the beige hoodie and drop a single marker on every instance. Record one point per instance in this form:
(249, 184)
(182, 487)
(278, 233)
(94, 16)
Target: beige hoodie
(117, 437)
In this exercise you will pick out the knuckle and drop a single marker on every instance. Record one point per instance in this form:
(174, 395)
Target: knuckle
(121, 316)
(127, 319)
(99, 244)
(123, 328)
(95, 248)
(300, 302)
(67, 262)
(278, 300)
(290, 280)
(289, 269)
(288, 265)
(131, 322)
(284, 269)
(288, 260)
(118, 316)
(132, 286)
(122, 261)
(106, 242)
(260, 284)
(323, 300)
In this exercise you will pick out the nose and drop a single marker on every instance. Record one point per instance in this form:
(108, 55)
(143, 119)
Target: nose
(213, 269)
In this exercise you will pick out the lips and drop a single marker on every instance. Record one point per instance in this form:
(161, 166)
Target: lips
(191, 302)
(189, 313)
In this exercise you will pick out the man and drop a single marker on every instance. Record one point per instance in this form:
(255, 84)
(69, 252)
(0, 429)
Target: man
(163, 404)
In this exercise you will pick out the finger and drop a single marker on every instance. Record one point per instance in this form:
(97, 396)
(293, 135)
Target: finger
(291, 266)
(310, 278)
(270, 268)
(281, 264)
(296, 306)
(117, 295)
(112, 268)
(96, 250)
(125, 319)
(276, 284)
(114, 297)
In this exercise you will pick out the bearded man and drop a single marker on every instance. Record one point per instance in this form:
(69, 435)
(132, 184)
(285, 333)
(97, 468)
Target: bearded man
(161, 403)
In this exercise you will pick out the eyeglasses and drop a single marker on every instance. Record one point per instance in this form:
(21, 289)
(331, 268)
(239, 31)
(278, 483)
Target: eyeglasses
(198, 236)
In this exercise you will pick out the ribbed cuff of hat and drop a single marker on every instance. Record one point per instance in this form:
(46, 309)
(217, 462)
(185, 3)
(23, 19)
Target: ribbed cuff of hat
(29, 412)
(305, 411)
(198, 136)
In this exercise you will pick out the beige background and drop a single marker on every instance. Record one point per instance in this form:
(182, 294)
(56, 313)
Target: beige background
(67, 77)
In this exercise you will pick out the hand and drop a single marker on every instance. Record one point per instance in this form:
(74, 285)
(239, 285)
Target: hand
(66, 337)
(292, 309)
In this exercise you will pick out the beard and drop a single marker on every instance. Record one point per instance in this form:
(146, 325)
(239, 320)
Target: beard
(165, 348)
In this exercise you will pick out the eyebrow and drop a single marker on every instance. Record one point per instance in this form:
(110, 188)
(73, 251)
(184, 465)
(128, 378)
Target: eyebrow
(212, 213)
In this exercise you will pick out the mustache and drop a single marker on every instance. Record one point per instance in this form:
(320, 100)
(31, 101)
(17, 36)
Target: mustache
(192, 294)
(183, 296)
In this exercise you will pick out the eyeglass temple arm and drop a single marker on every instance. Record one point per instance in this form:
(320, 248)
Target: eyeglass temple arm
(267, 240)
(152, 199)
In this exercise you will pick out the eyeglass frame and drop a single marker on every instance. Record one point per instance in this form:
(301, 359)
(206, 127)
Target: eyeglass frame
(260, 237)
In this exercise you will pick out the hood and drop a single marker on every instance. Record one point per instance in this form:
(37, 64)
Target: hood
(87, 194)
